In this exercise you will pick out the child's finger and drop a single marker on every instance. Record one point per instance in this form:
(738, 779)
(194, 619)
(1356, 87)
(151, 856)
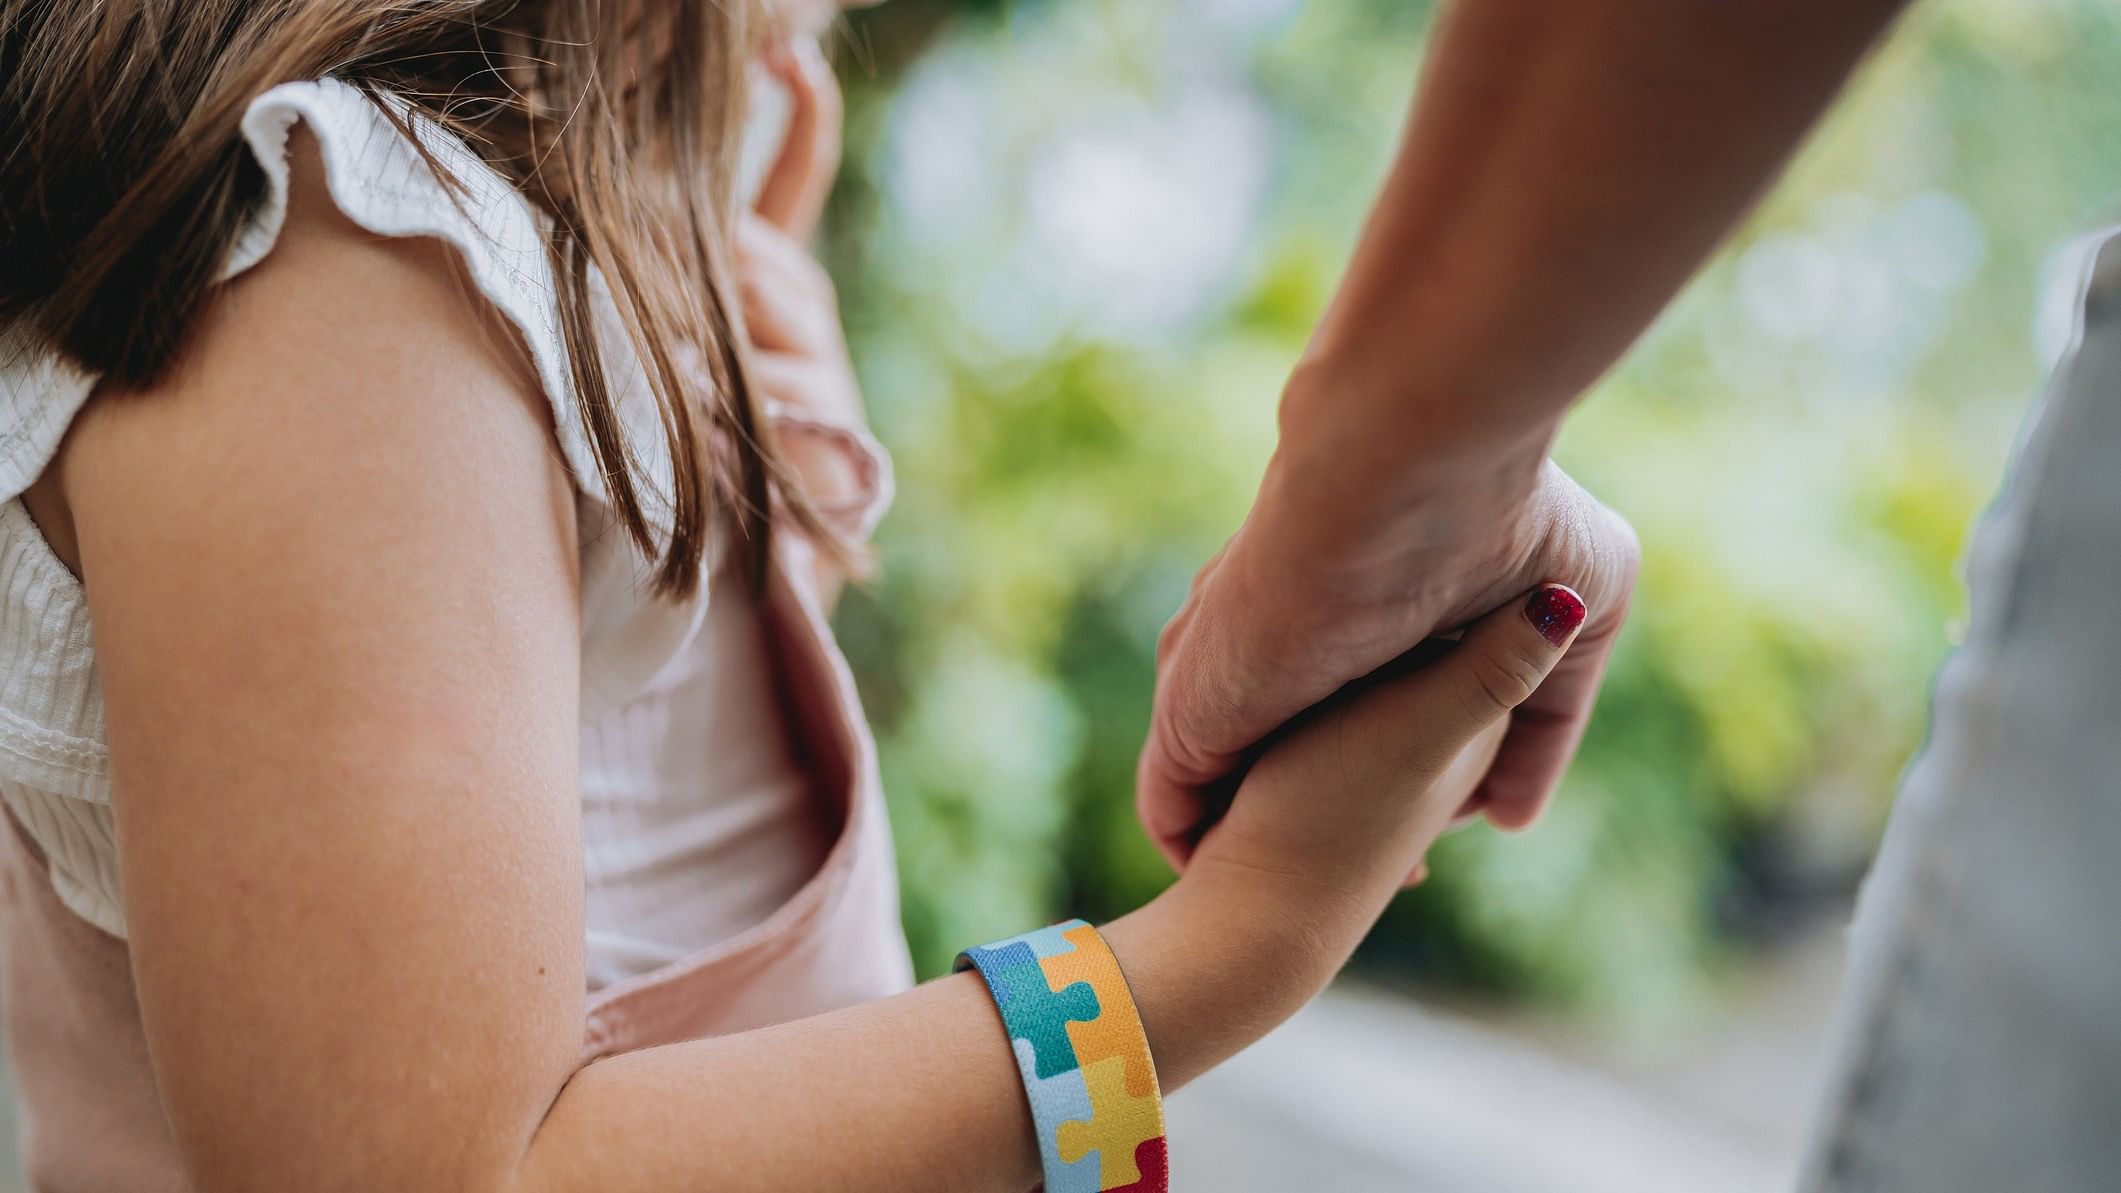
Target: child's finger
(786, 298)
(800, 179)
(1432, 715)
(1462, 779)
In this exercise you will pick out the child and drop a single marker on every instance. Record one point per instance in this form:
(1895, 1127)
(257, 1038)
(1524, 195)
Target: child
(424, 490)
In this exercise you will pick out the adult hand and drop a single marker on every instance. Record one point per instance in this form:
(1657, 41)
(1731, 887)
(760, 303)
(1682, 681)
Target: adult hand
(1507, 264)
(1299, 604)
(1356, 789)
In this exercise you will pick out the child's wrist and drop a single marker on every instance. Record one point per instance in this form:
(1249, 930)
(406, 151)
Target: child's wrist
(1332, 874)
(1221, 958)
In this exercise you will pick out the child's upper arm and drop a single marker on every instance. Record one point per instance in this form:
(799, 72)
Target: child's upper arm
(331, 572)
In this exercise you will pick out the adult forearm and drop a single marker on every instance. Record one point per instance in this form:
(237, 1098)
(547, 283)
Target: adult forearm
(1566, 169)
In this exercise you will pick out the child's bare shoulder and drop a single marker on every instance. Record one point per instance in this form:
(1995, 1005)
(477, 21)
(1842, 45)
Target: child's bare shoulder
(343, 367)
(364, 337)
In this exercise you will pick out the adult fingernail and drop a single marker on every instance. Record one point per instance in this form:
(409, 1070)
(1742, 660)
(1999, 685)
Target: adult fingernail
(1555, 611)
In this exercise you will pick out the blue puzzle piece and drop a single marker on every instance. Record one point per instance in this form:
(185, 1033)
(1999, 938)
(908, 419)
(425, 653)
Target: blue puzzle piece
(1050, 941)
(1062, 1098)
(1001, 956)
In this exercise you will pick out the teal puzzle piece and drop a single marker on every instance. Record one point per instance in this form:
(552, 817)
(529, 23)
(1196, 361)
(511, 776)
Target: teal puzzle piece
(1031, 1009)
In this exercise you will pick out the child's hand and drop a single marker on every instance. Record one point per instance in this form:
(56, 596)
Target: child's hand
(1351, 797)
(798, 350)
(798, 354)
(1322, 832)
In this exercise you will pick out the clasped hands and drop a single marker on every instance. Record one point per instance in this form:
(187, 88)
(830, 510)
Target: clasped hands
(1332, 583)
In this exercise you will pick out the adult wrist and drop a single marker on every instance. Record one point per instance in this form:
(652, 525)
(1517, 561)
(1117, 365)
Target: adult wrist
(1357, 436)
(1368, 492)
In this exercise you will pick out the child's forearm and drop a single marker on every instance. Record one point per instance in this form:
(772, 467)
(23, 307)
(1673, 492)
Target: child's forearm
(920, 1091)
(917, 1091)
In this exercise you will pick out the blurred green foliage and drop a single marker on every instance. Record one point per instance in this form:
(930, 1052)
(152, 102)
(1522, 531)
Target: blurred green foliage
(1080, 246)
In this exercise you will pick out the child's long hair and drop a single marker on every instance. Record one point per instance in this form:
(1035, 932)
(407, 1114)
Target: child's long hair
(123, 182)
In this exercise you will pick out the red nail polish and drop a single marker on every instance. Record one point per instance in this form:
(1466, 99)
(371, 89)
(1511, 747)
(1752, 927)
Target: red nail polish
(1555, 612)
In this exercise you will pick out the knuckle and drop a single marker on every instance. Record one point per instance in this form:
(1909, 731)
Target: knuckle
(1175, 721)
(1623, 546)
(1171, 638)
(1505, 679)
(1586, 544)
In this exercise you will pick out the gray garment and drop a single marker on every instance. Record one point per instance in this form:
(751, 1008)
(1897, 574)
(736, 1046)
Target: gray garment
(1981, 1033)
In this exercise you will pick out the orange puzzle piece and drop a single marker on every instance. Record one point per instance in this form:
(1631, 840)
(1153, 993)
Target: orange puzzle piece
(1107, 1035)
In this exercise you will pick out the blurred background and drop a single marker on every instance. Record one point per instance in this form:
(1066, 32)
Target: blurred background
(1079, 246)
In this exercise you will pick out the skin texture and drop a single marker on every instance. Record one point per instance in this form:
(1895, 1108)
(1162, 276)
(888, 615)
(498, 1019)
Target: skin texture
(330, 561)
(1566, 169)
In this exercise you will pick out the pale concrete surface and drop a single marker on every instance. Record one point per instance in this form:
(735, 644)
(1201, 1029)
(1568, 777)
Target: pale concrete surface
(1366, 1092)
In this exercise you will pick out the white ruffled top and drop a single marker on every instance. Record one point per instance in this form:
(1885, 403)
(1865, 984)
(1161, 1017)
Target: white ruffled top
(694, 814)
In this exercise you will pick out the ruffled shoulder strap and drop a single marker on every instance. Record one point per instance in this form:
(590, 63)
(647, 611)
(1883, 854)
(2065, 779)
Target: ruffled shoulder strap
(380, 180)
